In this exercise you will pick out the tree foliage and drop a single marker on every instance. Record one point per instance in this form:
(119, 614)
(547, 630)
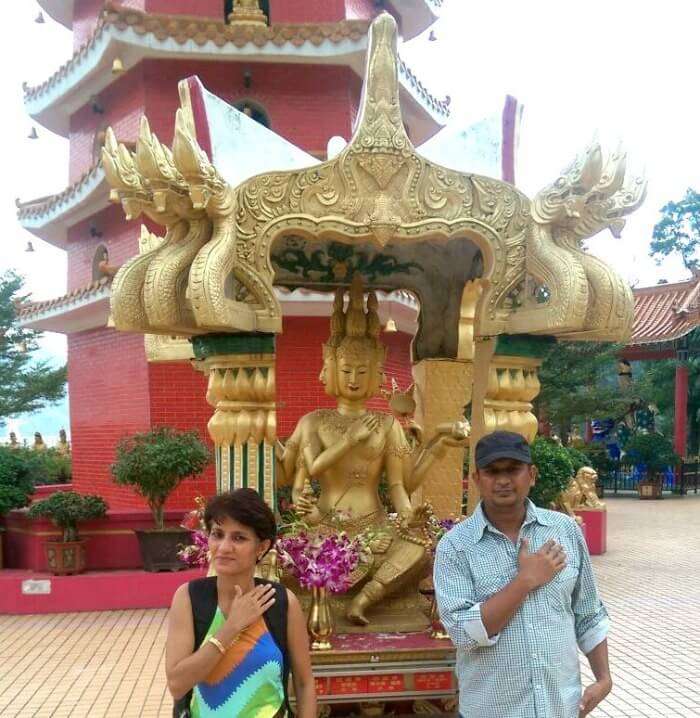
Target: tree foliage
(155, 462)
(678, 231)
(26, 385)
(555, 470)
(579, 382)
(653, 450)
(67, 508)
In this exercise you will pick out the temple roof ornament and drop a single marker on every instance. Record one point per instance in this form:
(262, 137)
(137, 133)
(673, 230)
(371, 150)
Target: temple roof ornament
(133, 36)
(402, 221)
(416, 15)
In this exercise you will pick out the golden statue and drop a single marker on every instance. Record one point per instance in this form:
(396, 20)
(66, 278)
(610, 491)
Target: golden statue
(349, 449)
(39, 444)
(580, 493)
(586, 478)
(13, 443)
(63, 446)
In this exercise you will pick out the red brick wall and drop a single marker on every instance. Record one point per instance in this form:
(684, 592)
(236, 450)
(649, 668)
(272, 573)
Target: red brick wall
(108, 380)
(178, 399)
(123, 103)
(306, 10)
(306, 104)
(119, 236)
(202, 8)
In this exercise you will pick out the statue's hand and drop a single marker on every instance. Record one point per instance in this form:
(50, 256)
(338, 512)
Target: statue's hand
(417, 517)
(380, 544)
(306, 507)
(361, 428)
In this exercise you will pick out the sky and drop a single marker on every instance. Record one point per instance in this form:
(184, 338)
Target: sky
(621, 69)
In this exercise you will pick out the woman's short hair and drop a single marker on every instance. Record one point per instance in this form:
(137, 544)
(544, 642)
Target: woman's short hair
(245, 506)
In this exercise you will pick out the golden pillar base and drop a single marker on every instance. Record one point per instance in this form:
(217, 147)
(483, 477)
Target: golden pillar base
(443, 390)
(244, 426)
(511, 386)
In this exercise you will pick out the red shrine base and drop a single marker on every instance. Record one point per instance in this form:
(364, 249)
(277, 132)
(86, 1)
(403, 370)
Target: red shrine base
(401, 668)
(111, 541)
(30, 592)
(595, 529)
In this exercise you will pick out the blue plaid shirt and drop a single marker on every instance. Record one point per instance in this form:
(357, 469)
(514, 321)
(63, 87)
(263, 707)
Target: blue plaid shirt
(531, 668)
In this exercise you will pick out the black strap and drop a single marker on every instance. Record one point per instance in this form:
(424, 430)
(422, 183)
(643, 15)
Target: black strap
(204, 600)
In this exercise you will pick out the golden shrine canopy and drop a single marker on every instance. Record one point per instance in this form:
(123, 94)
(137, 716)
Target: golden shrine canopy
(474, 250)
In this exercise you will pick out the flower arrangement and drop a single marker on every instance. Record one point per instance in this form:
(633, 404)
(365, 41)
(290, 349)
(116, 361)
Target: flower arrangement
(321, 560)
(196, 554)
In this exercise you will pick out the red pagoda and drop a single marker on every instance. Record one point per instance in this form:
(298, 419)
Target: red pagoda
(293, 67)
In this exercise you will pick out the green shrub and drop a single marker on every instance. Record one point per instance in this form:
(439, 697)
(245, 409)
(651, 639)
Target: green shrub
(67, 508)
(155, 462)
(578, 458)
(653, 450)
(36, 467)
(16, 486)
(555, 470)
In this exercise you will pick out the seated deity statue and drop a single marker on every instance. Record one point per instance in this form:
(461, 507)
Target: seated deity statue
(348, 450)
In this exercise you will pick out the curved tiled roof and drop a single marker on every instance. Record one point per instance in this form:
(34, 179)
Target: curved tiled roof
(151, 34)
(184, 28)
(37, 208)
(32, 309)
(665, 312)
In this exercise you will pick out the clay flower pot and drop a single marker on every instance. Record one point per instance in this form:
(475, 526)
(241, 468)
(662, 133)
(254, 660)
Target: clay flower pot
(65, 558)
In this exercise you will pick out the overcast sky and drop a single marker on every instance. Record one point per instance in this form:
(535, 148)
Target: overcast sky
(623, 69)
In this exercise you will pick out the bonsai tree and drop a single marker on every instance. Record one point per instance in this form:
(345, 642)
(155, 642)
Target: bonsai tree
(16, 485)
(555, 471)
(154, 463)
(652, 450)
(67, 508)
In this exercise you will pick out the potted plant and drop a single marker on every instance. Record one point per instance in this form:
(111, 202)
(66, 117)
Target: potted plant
(16, 485)
(653, 453)
(154, 463)
(67, 509)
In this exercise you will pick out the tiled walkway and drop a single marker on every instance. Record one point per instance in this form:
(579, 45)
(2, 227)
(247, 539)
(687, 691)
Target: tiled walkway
(111, 664)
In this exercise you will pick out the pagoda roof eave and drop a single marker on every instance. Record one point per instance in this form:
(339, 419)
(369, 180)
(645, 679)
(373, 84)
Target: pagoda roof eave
(133, 36)
(51, 217)
(60, 10)
(665, 312)
(77, 311)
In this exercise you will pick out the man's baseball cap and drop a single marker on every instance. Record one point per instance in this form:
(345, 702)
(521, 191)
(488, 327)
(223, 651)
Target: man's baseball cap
(501, 445)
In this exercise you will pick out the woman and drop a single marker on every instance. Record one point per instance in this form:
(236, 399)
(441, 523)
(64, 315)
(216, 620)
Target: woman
(232, 639)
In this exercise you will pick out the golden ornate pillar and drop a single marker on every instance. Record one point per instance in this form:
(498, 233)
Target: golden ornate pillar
(443, 390)
(241, 370)
(505, 385)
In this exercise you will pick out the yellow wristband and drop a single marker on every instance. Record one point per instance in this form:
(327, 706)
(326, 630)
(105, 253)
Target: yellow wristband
(216, 642)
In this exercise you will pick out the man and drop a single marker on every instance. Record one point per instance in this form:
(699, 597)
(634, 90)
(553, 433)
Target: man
(516, 593)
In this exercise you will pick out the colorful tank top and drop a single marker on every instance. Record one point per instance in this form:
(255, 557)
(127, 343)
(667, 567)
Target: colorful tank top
(247, 680)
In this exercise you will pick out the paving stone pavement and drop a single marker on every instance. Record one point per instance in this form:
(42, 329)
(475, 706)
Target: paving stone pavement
(110, 664)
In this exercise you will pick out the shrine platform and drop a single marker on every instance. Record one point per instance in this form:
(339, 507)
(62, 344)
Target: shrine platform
(26, 591)
(398, 668)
